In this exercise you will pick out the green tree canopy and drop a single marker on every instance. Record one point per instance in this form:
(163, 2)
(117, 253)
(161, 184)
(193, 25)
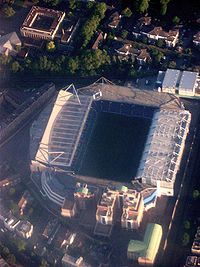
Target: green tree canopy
(73, 65)
(124, 34)
(15, 67)
(8, 11)
(185, 239)
(195, 194)
(164, 4)
(143, 6)
(127, 12)
(176, 20)
(51, 46)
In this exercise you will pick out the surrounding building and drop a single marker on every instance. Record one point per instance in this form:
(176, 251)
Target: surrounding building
(42, 23)
(3, 263)
(196, 39)
(24, 229)
(114, 20)
(145, 251)
(69, 208)
(10, 44)
(192, 261)
(69, 261)
(68, 31)
(196, 243)
(133, 208)
(179, 82)
(11, 223)
(106, 207)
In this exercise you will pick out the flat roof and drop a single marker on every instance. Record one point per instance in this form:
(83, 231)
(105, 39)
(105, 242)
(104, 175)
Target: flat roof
(188, 81)
(171, 78)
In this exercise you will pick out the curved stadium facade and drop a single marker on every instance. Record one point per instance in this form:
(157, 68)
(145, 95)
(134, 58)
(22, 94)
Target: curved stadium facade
(59, 134)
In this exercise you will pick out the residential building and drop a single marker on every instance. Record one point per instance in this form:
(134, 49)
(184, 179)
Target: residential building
(133, 208)
(106, 207)
(26, 197)
(42, 23)
(10, 44)
(98, 40)
(24, 229)
(143, 56)
(196, 39)
(157, 33)
(114, 20)
(145, 251)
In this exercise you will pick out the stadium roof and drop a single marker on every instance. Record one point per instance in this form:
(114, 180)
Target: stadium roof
(122, 94)
(164, 146)
(171, 78)
(63, 121)
(188, 80)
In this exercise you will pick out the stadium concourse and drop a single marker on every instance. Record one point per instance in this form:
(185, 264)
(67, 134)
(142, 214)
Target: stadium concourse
(57, 136)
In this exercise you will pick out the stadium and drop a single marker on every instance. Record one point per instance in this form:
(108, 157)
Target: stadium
(112, 133)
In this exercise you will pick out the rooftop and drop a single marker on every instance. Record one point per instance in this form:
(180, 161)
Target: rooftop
(188, 80)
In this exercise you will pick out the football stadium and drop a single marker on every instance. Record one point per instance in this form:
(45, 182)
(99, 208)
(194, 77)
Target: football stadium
(112, 132)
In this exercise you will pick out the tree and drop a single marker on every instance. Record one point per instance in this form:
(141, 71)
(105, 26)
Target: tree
(51, 46)
(160, 43)
(52, 2)
(176, 20)
(11, 259)
(5, 60)
(15, 67)
(185, 239)
(172, 64)
(143, 6)
(43, 263)
(73, 65)
(5, 251)
(124, 34)
(187, 224)
(164, 4)
(12, 191)
(195, 194)
(127, 12)
(8, 11)
(92, 61)
(21, 245)
(72, 4)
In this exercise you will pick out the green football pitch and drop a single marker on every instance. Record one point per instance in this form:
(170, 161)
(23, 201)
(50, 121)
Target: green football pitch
(115, 147)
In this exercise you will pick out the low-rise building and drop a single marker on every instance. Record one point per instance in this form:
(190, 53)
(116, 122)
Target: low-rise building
(145, 251)
(24, 229)
(3, 263)
(179, 82)
(83, 195)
